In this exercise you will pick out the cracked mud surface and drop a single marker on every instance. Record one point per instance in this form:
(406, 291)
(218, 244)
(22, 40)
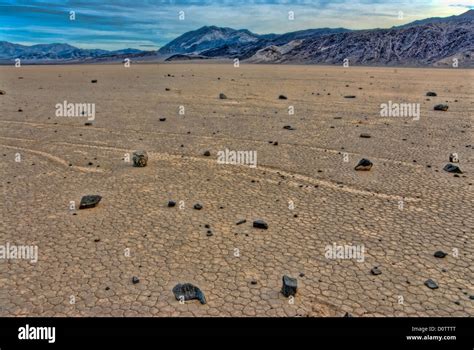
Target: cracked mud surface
(84, 255)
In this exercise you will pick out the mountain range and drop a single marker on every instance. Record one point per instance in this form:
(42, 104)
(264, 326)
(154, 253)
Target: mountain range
(429, 42)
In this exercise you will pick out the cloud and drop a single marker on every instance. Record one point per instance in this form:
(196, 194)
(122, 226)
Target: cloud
(126, 23)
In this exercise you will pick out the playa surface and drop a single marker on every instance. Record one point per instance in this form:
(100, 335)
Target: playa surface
(304, 187)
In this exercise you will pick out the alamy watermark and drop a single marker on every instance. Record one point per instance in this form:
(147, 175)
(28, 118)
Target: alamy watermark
(404, 110)
(248, 158)
(66, 109)
(345, 251)
(20, 252)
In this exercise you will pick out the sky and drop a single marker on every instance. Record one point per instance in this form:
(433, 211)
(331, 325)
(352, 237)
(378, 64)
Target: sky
(148, 25)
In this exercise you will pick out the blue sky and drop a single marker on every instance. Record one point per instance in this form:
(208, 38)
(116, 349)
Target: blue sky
(147, 24)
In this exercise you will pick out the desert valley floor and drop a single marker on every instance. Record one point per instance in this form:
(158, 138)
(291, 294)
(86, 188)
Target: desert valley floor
(304, 187)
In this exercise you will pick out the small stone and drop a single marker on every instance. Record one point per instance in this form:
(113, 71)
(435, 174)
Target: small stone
(288, 127)
(471, 297)
(20, 110)
(260, 224)
(365, 136)
(209, 233)
(206, 154)
(450, 168)
(94, 81)
(347, 315)
(222, 96)
(2, 92)
(441, 107)
(197, 206)
(440, 254)
(187, 291)
(431, 93)
(364, 165)
(171, 204)
(302, 274)
(162, 119)
(87, 123)
(289, 287)
(349, 96)
(97, 240)
(240, 222)
(107, 288)
(282, 97)
(207, 226)
(453, 158)
(253, 282)
(89, 201)
(275, 143)
(140, 159)
(375, 271)
(135, 280)
(431, 284)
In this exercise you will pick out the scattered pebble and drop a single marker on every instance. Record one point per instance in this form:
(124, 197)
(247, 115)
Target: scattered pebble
(260, 224)
(364, 165)
(289, 286)
(375, 271)
(440, 254)
(431, 284)
(441, 107)
(89, 201)
(140, 159)
(188, 291)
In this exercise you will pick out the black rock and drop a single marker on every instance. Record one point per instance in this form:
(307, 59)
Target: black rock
(94, 81)
(282, 97)
(171, 204)
(240, 222)
(450, 168)
(431, 284)
(375, 271)
(87, 123)
(289, 287)
(431, 93)
(471, 297)
(365, 136)
(197, 206)
(440, 254)
(187, 291)
(89, 201)
(207, 154)
(253, 282)
(135, 280)
(349, 96)
(441, 107)
(364, 164)
(140, 159)
(222, 96)
(162, 119)
(288, 127)
(347, 315)
(209, 233)
(260, 224)
(2, 92)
